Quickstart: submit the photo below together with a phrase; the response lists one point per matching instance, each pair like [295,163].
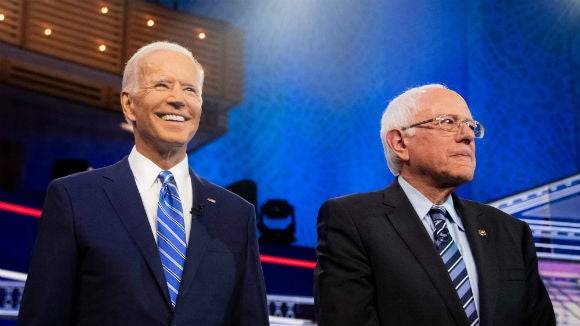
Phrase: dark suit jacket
[96,262]
[378,266]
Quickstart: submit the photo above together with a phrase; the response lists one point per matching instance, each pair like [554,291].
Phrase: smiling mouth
[172,117]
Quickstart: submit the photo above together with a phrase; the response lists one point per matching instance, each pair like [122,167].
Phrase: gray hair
[398,114]
[131,72]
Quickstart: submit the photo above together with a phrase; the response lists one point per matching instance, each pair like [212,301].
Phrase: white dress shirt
[422,205]
[146,175]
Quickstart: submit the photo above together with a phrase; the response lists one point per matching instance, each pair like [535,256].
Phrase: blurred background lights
[201,35]
[102,48]
[150,22]
[104,10]
[47,31]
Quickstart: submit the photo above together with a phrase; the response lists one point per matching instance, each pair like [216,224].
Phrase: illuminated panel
[78,31]
[11,21]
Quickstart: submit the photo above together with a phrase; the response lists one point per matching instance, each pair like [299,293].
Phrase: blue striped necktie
[171,234]
[453,262]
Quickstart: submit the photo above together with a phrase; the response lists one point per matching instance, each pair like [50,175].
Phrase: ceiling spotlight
[47,31]
[104,10]
[201,36]
[102,48]
[150,22]
[2,17]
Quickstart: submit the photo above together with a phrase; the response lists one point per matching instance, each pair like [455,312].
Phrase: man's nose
[176,99]
[465,133]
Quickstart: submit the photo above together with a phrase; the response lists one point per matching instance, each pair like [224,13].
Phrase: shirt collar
[422,204]
[146,172]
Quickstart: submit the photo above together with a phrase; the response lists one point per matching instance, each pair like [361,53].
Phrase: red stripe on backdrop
[266,259]
[293,262]
[19,209]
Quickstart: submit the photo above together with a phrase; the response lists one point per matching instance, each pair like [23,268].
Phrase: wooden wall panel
[11,13]
[54,81]
[78,28]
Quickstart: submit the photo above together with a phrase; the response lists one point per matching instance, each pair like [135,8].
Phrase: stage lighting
[104,10]
[2,17]
[47,31]
[150,23]
[102,48]
[201,36]
[276,222]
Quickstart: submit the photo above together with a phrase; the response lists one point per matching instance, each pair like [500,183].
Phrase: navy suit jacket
[96,262]
[378,266]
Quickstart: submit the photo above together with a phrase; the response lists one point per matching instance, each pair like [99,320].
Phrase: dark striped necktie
[453,262]
[171,234]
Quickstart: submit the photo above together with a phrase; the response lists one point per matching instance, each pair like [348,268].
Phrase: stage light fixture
[104,10]
[276,222]
[150,23]
[2,17]
[102,48]
[47,32]
[201,36]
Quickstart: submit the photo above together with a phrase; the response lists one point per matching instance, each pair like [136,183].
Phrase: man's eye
[447,121]
[471,125]
[191,90]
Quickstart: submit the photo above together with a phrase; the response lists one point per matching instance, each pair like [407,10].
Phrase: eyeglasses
[451,123]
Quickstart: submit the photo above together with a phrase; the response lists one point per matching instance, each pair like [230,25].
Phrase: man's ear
[128,107]
[397,143]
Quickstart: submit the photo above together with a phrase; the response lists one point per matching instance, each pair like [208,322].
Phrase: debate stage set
[292,99]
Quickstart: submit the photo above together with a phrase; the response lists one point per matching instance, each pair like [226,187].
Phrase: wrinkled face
[440,157]
[166,106]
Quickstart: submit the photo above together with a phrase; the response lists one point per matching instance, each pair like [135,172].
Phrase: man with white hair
[415,253]
[146,241]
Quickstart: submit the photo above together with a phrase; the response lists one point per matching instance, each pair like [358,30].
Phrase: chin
[455,179]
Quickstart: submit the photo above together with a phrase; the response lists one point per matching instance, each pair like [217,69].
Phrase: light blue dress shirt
[422,205]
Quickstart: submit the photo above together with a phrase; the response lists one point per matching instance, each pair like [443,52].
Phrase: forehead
[442,101]
[169,64]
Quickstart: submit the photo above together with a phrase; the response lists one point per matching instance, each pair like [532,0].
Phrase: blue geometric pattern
[171,234]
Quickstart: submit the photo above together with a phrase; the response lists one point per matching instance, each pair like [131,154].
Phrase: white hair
[399,113]
[131,72]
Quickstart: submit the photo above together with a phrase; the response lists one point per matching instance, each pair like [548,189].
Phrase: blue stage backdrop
[318,75]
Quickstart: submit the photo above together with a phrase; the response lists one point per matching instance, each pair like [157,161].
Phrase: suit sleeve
[49,290]
[250,308]
[344,289]
[539,307]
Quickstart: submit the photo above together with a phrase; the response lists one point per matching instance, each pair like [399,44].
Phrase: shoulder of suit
[223,194]
[490,212]
[84,177]
[358,199]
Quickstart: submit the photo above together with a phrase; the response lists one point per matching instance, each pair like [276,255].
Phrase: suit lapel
[485,256]
[124,196]
[402,216]
[204,210]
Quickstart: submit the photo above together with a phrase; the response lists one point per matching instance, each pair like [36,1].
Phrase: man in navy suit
[107,247]
[415,253]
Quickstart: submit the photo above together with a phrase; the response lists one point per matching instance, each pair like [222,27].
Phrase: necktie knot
[166,177]
[439,215]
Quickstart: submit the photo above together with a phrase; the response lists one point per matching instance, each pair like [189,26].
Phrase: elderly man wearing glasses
[415,253]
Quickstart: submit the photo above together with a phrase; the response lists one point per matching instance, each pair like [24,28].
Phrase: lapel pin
[211,200]
[482,232]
